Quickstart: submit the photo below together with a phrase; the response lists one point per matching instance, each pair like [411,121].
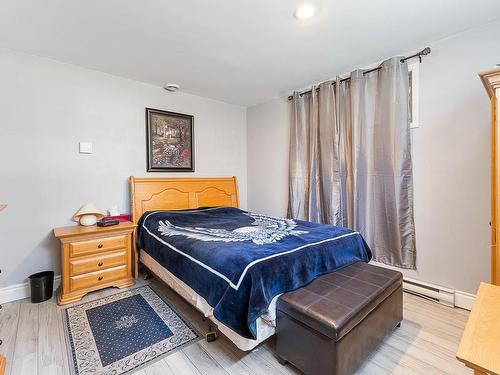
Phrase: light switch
[86,147]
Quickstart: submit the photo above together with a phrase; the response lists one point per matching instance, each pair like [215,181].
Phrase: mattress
[266,324]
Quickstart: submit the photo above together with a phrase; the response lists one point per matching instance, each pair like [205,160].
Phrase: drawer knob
[99,246]
[99,278]
[100,264]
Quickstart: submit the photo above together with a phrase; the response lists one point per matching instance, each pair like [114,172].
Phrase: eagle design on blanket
[264,230]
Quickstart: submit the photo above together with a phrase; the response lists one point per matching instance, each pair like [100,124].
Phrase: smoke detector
[172,87]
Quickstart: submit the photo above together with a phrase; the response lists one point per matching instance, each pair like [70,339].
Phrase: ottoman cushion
[335,303]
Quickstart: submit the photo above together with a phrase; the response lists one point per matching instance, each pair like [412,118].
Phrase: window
[413,83]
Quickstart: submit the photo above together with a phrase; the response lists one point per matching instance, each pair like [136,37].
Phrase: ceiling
[239,51]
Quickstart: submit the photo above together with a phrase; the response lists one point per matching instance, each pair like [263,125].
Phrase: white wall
[268,135]
[46,108]
[450,154]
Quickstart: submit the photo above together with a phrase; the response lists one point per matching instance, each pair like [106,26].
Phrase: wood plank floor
[426,343]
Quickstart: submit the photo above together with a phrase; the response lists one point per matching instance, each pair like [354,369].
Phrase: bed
[230,264]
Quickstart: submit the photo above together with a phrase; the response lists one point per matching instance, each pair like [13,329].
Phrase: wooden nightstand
[94,258]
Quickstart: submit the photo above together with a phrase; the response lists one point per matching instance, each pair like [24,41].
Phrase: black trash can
[41,286]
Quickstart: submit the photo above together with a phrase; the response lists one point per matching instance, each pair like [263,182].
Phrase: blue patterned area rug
[122,332]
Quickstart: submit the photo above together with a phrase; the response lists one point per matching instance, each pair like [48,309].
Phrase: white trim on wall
[444,296]
[464,300]
[439,294]
[457,298]
[20,291]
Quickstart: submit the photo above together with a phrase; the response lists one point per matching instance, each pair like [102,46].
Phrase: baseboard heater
[436,293]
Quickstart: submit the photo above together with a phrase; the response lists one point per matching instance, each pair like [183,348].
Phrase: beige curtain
[343,104]
[314,156]
[350,160]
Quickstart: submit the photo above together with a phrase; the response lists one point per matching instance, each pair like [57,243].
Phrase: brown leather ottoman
[331,325]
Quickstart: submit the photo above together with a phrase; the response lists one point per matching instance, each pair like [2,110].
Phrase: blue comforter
[238,261]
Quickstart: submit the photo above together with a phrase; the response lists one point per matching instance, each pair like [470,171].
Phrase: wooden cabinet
[491,81]
[93,258]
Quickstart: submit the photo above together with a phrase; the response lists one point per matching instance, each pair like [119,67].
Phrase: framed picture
[169,138]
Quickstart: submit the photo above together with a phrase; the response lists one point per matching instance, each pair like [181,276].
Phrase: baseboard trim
[20,291]
[437,293]
[16,292]
[464,300]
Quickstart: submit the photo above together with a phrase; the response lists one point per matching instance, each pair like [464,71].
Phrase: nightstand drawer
[78,266]
[94,279]
[92,246]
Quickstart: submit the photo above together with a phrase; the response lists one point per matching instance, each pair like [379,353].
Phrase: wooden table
[480,345]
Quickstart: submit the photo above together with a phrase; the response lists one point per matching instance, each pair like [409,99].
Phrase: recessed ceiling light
[172,87]
[305,11]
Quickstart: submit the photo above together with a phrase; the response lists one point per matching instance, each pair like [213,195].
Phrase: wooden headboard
[149,194]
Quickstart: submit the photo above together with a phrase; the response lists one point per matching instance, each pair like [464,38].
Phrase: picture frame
[169,141]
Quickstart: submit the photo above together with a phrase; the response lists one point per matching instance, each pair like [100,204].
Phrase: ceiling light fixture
[172,87]
[305,11]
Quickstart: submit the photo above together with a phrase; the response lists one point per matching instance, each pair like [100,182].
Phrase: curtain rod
[424,52]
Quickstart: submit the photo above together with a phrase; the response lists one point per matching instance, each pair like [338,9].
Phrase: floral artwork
[169,141]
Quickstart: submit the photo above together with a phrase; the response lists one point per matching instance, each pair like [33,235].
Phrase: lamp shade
[88,209]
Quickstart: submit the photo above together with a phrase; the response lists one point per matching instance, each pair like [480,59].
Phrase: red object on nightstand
[122,217]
